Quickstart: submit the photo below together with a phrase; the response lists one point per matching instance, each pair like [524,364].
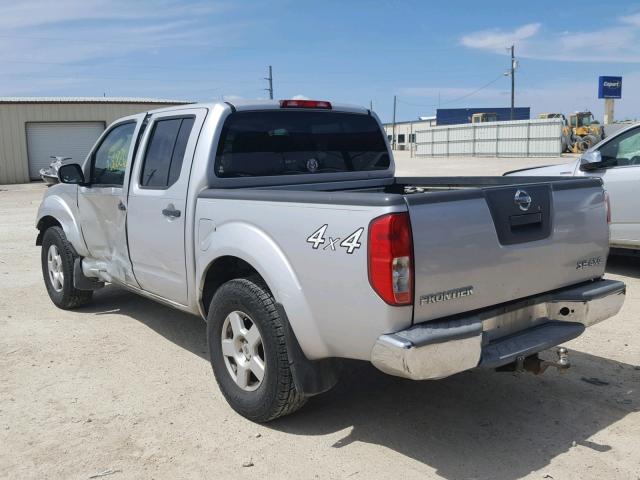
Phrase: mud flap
[80,281]
[311,377]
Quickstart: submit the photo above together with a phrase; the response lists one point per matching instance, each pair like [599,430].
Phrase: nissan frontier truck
[283,225]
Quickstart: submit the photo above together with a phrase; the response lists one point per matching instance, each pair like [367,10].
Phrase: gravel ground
[124,388]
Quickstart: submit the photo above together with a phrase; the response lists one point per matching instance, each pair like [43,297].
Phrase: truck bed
[469,234]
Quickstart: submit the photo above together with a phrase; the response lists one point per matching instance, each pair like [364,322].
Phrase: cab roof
[247,105]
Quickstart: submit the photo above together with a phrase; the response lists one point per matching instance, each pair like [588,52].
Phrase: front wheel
[248,352]
[57,260]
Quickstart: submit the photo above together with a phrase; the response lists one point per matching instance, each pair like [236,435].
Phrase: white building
[405,132]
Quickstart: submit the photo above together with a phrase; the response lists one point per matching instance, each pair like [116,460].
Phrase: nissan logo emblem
[523,200]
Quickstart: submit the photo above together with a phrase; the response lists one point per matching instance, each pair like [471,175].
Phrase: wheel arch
[311,377]
[43,224]
[252,256]
[60,210]
[220,271]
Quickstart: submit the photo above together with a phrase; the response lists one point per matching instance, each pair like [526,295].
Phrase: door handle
[171,211]
[122,206]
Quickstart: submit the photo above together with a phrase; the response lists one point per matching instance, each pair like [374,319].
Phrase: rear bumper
[496,336]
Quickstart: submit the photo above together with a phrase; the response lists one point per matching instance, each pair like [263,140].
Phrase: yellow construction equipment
[579,133]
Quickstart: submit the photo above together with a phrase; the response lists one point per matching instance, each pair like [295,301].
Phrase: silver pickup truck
[282,224]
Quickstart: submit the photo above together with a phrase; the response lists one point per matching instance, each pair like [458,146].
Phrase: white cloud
[34,13]
[608,44]
[300,97]
[91,45]
[498,40]
[631,19]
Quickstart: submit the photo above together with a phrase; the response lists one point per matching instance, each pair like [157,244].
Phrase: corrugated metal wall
[14,166]
[520,138]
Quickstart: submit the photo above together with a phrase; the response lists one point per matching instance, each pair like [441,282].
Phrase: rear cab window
[291,142]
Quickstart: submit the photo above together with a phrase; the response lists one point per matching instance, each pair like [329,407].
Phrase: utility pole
[393,129]
[371,105]
[513,82]
[270,80]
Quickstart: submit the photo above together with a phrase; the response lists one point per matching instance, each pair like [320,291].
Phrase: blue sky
[353,52]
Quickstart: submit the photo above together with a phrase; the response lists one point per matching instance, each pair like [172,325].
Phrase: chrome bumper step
[496,336]
[530,341]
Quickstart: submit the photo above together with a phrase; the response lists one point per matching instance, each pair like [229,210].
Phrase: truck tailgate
[478,247]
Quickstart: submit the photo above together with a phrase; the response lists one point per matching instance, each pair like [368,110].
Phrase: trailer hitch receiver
[535,365]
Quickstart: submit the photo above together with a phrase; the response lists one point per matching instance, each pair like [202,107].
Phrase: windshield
[585,120]
[289,142]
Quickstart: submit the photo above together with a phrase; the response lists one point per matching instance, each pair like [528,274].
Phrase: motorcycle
[50,174]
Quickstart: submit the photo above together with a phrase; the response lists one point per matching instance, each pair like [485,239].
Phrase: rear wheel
[57,258]
[248,352]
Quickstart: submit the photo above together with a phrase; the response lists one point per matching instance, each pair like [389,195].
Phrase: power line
[107,63]
[161,43]
[462,97]
[89,77]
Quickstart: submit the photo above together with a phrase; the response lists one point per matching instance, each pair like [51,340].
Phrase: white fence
[518,138]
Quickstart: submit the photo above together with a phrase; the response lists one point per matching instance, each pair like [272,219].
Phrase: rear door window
[276,142]
[165,152]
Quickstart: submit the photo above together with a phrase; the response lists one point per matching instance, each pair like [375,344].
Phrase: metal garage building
[33,129]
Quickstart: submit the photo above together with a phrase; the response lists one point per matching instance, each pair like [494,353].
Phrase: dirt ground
[124,388]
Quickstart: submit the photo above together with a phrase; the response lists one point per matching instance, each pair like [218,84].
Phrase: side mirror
[71,173]
[591,160]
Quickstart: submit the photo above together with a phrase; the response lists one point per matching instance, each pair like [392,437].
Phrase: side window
[110,159]
[622,151]
[165,152]
[629,148]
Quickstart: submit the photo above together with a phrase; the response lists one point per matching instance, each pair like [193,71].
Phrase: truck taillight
[390,258]
[607,205]
[305,104]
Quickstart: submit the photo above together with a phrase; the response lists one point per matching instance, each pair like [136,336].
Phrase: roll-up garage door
[65,139]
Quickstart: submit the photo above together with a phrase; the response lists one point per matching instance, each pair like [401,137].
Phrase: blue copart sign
[610,87]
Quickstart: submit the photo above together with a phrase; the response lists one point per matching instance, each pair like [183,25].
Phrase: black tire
[66,297]
[276,395]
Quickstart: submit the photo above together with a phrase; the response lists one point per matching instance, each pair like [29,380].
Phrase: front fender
[60,203]
[258,249]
